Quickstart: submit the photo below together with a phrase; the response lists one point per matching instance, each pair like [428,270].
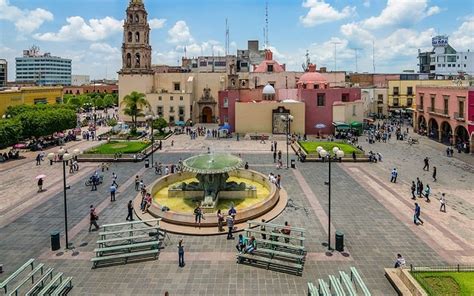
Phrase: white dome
[268,90]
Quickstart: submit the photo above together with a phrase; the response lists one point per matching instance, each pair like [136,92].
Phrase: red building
[90,89]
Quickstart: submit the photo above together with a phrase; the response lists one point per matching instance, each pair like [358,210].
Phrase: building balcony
[438,112]
[459,116]
[420,109]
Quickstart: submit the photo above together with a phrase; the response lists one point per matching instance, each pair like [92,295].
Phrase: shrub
[10,132]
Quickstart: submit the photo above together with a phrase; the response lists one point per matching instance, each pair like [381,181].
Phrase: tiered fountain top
[212,163]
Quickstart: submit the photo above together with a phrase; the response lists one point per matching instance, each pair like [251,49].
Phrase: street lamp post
[288,119]
[327,155]
[64,158]
[150,118]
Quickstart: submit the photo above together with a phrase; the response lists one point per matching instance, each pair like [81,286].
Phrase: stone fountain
[212,171]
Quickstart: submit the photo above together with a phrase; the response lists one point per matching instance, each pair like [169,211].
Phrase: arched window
[137,37]
[137,60]
[129,60]
[130,18]
[136,18]
[130,36]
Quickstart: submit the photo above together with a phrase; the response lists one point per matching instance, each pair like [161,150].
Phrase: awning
[340,125]
[356,124]
[179,123]
[225,126]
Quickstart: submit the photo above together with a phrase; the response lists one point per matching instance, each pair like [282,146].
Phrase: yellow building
[402,93]
[29,96]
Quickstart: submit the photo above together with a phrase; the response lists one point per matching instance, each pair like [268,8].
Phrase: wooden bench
[312,291]
[127,247]
[65,286]
[355,277]
[269,261]
[273,253]
[31,275]
[4,284]
[324,288]
[130,239]
[336,286]
[277,234]
[272,243]
[259,137]
[52,283]
[40,283]
[346,280]
[125,256]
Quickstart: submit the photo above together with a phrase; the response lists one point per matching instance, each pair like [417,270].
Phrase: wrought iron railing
[459,116]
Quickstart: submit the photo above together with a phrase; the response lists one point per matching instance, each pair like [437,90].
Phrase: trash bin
[147,163]
[339,241]
[55,243]
[293,163]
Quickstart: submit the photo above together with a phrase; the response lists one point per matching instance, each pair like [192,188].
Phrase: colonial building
[30,96]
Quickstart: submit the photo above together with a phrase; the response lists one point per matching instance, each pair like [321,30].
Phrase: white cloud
[78,29]
[401,13]
[157,23]
[180,33]
[104,48]
[404,42]
[26,21]
[366,3]
[357,36]
[321,12]
[462,39]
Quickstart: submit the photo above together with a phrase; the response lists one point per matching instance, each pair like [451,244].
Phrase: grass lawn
[446,283]
[310,147]
[119,147]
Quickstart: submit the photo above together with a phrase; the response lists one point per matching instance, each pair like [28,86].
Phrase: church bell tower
[136,49]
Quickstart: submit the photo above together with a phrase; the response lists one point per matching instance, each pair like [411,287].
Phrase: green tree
[99,102]
[133,106]
[109,100]
[10,132]
[160,124]
[74,101]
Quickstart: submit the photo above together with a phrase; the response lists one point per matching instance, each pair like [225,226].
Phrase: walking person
[394,175]
[427,164]
[220,221]
[274,156]
[137,183]
[417,214]
[230,226]
[38,159]
[427,193]
[40,184]
[112,189]
[434,174]
[180,253]
[279,155]
[130,211]
[400,262]
[198,215]
[413,189]
[114,179]
[93,219]
[442,201]
[420,189]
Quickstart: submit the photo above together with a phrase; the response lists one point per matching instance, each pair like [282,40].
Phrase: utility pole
[226,37]
[355,51]
[373,55]
[266,24]
[335,59]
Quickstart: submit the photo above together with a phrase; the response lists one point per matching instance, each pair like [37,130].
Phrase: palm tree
[134,104]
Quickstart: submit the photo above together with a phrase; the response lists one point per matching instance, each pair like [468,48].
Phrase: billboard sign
[439,41]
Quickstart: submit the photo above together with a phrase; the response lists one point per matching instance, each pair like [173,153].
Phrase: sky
[384,33]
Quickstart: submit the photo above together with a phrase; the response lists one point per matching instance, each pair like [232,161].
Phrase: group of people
[12,154]
[275,179]
[161,169]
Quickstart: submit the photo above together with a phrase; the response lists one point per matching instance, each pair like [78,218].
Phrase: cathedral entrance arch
[206,115]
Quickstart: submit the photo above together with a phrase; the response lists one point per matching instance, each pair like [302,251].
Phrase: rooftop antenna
[226,37]
[355,51]
[308,61]
[373,56]
[185,51]
[266,24]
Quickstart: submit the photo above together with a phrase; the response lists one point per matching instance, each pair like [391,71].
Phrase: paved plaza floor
[375,215]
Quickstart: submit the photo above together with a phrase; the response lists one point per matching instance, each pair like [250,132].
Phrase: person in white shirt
[400,262]
[442,201]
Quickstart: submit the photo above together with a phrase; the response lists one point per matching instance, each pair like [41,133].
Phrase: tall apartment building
[42,69]
[3,72]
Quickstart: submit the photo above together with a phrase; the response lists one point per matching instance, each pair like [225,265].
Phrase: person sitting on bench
[286,231]
[240,244]
[251,245]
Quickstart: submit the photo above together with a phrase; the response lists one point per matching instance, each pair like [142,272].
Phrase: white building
[78,80]
[445,60]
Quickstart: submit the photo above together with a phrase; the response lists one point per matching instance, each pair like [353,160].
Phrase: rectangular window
[226,103]
[269,68]
[395,91]
[461,109]
[171,119]
[181,118]
[177,86]
[395,102]
[159,110]
[160,98]
[353,110]
[181,110]
[451,59]
[449,65]
[181,98]
[446,104]
[410,90]
[380,99]
[409,102]
[171,109]
[321,100]
[345,97]
[433,98]
[171,98]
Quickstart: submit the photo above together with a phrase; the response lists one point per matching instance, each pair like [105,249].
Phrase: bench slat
[4,284]
[312,291]
[40,282]
[127,246]
[59,289]
[355,275]
[275,225]
[347,283]
[116,239]
[336,286]
[96,260]
[279,253]
[301,238]
[281,244]
[324,288]
[132,222]
[270,261]
[27,278]
[57,277]
[104,233]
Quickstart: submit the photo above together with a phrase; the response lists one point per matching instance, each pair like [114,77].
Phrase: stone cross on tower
[136,49]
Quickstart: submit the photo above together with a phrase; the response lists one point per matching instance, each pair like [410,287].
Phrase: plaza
[374,215]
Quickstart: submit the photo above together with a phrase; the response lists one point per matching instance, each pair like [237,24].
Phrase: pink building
[446,113]
[312,90]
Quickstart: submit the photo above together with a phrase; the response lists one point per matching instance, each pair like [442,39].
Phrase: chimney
[268,55]
[284,67]
[311,68]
